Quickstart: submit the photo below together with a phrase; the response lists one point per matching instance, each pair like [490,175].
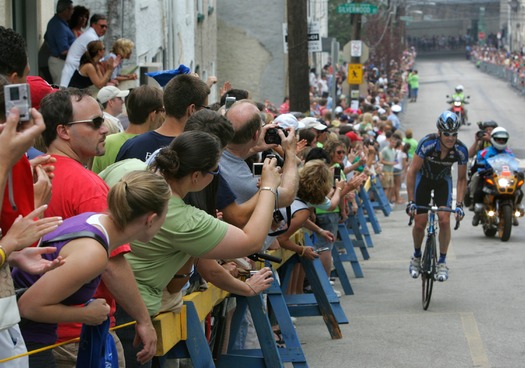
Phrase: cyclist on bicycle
[431,170]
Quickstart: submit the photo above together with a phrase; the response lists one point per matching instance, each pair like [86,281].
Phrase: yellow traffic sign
[355,73]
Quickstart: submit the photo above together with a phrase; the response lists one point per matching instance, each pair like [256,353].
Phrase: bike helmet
[500,134]
[448,122]
[459,88]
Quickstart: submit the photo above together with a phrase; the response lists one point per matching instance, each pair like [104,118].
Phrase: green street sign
[357,8]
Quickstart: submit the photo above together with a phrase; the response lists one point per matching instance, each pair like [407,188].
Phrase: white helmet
[459,88]
[499,133]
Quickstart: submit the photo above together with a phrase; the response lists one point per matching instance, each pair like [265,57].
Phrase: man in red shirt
[74,135]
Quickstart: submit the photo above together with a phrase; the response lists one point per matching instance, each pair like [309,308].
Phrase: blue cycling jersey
[435,168]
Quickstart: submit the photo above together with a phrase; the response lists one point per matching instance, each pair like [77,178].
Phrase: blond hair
[136,194]
[315,182]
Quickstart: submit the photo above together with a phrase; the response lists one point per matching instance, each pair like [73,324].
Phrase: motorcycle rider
[482,138]
[429,170]
[499,138]
[460,95]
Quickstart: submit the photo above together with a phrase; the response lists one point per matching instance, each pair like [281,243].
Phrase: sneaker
[475,219]
[337,293]
[332,282]
[415,267]
[442,272]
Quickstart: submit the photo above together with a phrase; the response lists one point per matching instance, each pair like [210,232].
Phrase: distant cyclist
[431,170]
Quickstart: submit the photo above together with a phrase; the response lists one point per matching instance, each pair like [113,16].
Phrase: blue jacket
[484,154]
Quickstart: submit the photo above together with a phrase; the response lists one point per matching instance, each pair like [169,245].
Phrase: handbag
[97,347]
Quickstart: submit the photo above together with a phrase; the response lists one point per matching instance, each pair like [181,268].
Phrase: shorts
[442,192]
[330,222]
[387,180]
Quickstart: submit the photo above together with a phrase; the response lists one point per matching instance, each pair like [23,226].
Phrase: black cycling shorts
[442,192]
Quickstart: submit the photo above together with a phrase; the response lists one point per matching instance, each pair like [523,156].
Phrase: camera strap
[288,221]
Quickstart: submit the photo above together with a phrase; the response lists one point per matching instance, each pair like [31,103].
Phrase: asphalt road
[476,318]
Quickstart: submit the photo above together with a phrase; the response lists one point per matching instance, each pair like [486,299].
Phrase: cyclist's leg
[422,198]
[443,198]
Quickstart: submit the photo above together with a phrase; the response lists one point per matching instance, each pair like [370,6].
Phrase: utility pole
[298,55]
[356,35]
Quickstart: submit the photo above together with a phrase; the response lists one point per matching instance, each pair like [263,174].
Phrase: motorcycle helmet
[501,134]
[459,88]
[448,122]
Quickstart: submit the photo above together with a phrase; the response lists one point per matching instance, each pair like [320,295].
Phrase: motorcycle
[458,108]
[501,189]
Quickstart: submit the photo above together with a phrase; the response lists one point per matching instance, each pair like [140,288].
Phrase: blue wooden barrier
[349,255]
[339,268]
[269,355]
[380,199]
[366,204]
[352,225]
[321,302]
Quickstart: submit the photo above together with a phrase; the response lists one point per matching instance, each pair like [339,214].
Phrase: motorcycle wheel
[505,223]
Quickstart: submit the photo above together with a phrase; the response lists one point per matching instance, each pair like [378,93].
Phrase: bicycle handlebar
[441,209]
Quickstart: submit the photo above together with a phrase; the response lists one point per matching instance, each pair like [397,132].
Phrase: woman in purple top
[137,209]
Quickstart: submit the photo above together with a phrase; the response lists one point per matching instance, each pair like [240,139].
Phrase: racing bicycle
[430,254]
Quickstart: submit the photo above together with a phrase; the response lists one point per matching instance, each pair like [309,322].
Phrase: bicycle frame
[429,256]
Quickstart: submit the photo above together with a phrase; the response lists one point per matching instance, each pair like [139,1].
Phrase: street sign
[355,73]
[313,37]
[357,8]
[356,48]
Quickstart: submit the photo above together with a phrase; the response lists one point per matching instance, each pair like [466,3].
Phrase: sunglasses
[96,122]
[340,152]
[103,25]
[447,134]
[216,172]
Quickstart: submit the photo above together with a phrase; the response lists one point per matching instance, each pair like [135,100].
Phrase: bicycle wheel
[428,270]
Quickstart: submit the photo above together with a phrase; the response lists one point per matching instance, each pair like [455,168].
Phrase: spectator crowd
[117,202]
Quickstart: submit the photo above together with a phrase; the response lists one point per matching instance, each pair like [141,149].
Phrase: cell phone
[257,168]
[229,102]
[321,250]
[337,174]
[18,95]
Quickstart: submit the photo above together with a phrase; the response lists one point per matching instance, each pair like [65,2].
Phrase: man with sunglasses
[75,134]
[430,170]
[98,26]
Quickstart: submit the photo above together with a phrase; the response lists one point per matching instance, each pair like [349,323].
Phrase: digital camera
[273,137]
[18,95]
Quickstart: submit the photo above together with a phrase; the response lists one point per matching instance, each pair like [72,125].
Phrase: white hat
[109,92]
[396,108]
[338,110]
[288,121]
[381,111]
[311,122]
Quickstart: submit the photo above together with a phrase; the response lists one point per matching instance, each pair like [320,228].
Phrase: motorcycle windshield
[504,162]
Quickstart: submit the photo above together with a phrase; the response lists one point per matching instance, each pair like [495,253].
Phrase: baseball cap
[354,136]
[109,92]
[39,88]
[381,111]
[396,108]
[288,121]
[311,122]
